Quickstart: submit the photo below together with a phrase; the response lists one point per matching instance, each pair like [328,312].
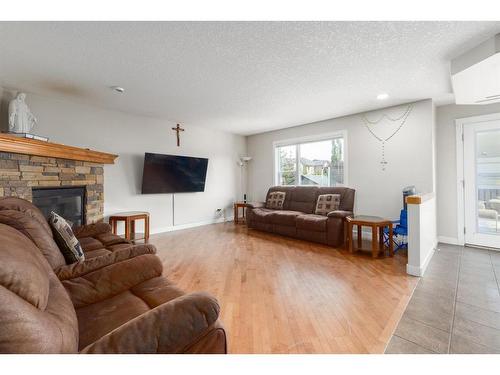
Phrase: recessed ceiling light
[118,89]
[382,96]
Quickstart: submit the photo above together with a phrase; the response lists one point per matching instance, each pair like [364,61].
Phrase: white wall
[409,153]
[446,164]
[130,137]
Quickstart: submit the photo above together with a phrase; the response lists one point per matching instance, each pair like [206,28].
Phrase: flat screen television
[173,174]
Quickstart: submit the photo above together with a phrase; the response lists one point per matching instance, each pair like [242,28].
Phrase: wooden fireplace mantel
[16,145]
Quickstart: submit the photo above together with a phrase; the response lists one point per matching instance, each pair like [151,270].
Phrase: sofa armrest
[256,204]
[169,328]
[340,214]
[71,271]
[113,279]
[91,230]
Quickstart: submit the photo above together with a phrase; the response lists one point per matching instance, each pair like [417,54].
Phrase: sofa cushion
[285,189]
[36,314]
[172,327]
[90,244]
[275,200]
[68,243]
[346,196]
[32,229]
[284,217]
[96,253]
[327,203]
[261,214]
[303,199]
[157,291]
[100,318]
[23,270]
[312,222]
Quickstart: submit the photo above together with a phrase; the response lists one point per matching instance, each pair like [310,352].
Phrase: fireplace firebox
[68,202]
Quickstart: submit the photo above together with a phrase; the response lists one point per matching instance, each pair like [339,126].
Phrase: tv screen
[173,174]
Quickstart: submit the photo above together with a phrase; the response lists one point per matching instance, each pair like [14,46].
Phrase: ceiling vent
[475,75]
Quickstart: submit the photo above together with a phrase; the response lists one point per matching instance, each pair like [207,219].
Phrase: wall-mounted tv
[173,174]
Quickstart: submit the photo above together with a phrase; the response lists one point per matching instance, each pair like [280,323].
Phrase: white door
[482,183]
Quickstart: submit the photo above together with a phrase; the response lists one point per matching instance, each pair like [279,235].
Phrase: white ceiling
[242,77]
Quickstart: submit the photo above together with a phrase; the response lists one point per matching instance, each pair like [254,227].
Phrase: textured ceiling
[242,77]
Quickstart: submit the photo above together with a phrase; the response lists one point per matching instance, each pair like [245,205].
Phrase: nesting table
[237,206]
[377,225]
[129,218]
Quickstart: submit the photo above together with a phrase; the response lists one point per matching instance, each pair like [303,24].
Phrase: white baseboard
[448,240]
[414,271]
[419,271]
[190,225]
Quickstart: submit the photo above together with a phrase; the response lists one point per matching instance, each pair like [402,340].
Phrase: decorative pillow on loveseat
[68,244]
[327,203]
[275,200]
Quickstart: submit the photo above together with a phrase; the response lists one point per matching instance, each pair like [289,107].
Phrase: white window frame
[310,139]
[459,126]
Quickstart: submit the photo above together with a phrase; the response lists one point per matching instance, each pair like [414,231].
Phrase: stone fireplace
[19,174]
[32,166]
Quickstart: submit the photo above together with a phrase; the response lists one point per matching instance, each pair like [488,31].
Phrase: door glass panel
[488,181]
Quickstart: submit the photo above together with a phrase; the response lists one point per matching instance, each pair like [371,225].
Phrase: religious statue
[21,120]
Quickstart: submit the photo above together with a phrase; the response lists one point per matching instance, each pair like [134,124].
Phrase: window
[316,161]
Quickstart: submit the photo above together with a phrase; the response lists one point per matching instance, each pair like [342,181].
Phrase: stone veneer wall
[19,173]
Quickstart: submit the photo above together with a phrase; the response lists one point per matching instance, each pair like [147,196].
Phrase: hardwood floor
[282,295]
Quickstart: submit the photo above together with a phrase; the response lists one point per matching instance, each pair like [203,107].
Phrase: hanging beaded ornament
[401,118]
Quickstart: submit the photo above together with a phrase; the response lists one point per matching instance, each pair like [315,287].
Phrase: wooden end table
[237,206]
[129,218]
[377,224]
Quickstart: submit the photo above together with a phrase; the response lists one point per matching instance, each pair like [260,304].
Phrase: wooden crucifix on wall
[178,129]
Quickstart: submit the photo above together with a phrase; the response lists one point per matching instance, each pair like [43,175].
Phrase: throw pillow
[327,203]
[275,200]
[68,244]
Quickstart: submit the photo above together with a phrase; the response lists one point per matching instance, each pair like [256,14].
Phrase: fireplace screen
[67,202]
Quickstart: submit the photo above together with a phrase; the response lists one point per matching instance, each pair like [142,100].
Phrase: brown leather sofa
[116,301]
[297,218]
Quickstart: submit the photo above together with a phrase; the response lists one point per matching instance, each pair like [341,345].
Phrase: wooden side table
[377,224]
[129,218]
[237,206]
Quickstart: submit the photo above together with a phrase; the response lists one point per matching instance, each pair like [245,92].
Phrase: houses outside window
[316,161]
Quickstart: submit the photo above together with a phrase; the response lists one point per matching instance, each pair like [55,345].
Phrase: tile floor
[455,307]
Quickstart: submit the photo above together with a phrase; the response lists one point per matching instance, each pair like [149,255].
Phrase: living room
[250,187]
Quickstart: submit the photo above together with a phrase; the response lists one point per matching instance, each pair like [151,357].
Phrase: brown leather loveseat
[116,301]
[297,218]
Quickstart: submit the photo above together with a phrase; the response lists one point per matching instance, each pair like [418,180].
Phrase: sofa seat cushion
[90,244]
[312,222]
[109,239]
[284,217]
[157,291]
[96,253]
[103,244]
[98,319]
[262,214]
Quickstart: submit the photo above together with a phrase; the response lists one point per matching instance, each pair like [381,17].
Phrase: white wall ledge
[422,234]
